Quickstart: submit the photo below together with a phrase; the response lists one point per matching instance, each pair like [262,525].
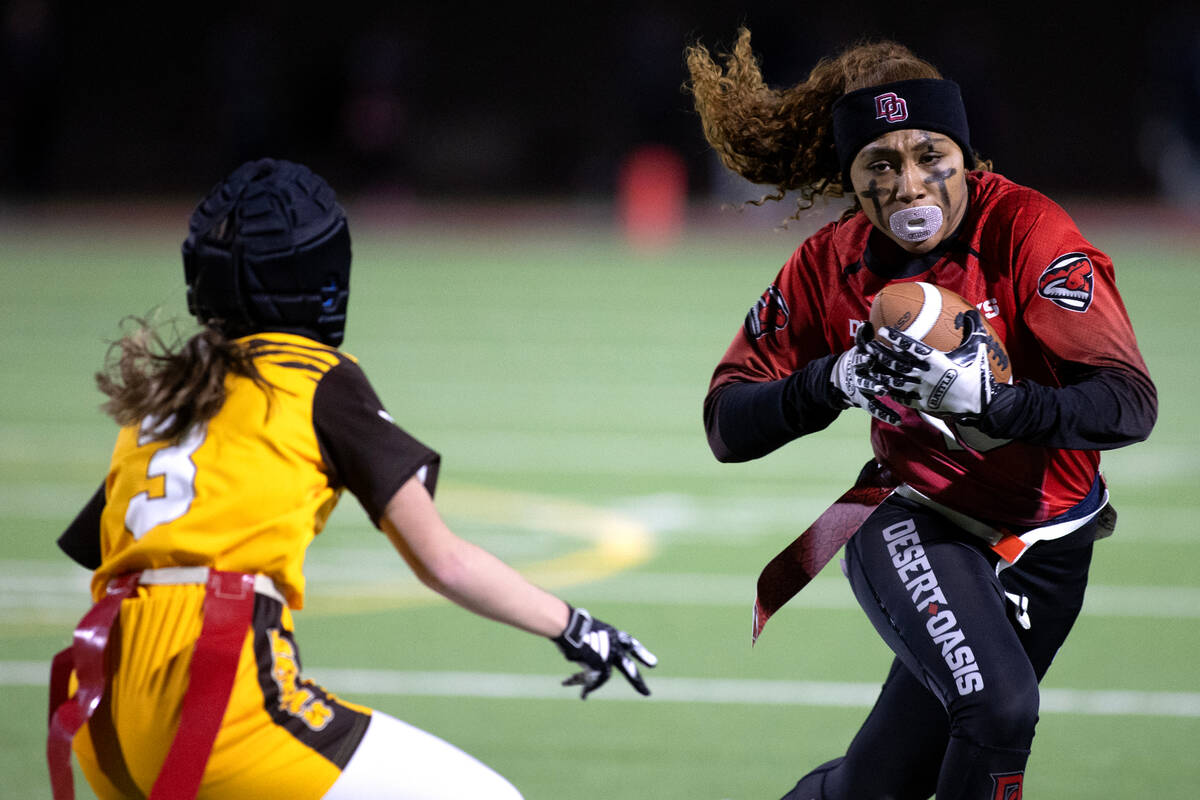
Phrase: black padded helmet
[269,250]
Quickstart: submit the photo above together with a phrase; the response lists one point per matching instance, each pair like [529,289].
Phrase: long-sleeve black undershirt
[81,539]
[1102,410]
[745,421]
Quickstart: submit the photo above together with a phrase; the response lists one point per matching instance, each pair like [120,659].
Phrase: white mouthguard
[916,224]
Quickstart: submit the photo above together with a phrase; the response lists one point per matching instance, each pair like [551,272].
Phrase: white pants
[398,761]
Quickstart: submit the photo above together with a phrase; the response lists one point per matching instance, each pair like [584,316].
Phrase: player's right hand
[853,377]
[598,647]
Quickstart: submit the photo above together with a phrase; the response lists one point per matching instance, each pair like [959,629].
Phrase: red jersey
[1049,294]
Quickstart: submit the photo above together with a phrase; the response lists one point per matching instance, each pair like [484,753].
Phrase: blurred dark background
[445,100]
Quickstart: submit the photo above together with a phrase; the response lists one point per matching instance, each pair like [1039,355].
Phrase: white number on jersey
[174,464]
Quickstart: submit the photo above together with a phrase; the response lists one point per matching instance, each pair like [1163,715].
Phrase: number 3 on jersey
[174,464]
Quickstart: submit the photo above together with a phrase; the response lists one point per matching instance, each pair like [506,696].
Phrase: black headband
[928,104]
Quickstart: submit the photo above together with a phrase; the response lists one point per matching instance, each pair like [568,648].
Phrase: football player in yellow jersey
[184,679]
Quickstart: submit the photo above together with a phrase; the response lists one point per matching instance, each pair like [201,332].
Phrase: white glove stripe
[647,658]
[598,642]
[629,667]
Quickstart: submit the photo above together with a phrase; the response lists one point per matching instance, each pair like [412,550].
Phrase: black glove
[598,647]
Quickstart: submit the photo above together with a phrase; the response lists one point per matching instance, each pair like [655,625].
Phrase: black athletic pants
[957,712]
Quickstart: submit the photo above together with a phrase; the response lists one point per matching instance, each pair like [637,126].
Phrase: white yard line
[348,682]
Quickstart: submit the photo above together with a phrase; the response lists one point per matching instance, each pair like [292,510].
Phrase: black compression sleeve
[745,420]
[81,539]
[1104,410]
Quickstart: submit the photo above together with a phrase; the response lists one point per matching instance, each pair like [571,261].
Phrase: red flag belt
[799,562]
[228,612]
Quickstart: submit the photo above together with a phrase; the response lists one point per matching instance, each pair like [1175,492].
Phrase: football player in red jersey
[971,556]
[233,450]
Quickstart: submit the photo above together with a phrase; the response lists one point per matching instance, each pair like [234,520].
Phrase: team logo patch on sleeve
[1068,282]
[1007,786]
[768,315]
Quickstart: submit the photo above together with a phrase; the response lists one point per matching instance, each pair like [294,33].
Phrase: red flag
[800,561]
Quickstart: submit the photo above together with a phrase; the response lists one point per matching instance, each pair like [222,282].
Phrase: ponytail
[180,384]
[784,137]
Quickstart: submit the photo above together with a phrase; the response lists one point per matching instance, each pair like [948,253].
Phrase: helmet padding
[269,250]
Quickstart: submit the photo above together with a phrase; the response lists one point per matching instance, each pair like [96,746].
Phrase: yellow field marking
[611,542]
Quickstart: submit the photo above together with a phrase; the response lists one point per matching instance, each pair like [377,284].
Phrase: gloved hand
[858,385]
[955,384]
[598,647]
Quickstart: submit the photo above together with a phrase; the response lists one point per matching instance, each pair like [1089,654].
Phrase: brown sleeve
[366,451]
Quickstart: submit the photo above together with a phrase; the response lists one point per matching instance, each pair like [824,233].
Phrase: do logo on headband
[890,106]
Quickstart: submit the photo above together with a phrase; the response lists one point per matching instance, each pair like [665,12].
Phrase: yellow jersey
[248,490]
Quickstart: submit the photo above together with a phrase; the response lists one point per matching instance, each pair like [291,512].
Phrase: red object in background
[652,196]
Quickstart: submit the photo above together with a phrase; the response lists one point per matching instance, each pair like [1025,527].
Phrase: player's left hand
[954,384]
[598,647]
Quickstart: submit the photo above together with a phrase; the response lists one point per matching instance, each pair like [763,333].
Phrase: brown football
[932,314]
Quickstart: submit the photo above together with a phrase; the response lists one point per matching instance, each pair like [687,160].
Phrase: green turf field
[560,374]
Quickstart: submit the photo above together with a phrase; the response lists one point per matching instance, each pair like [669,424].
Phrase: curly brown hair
[784,137]
[180,383]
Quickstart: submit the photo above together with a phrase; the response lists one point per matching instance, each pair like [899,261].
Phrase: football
[932,314]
